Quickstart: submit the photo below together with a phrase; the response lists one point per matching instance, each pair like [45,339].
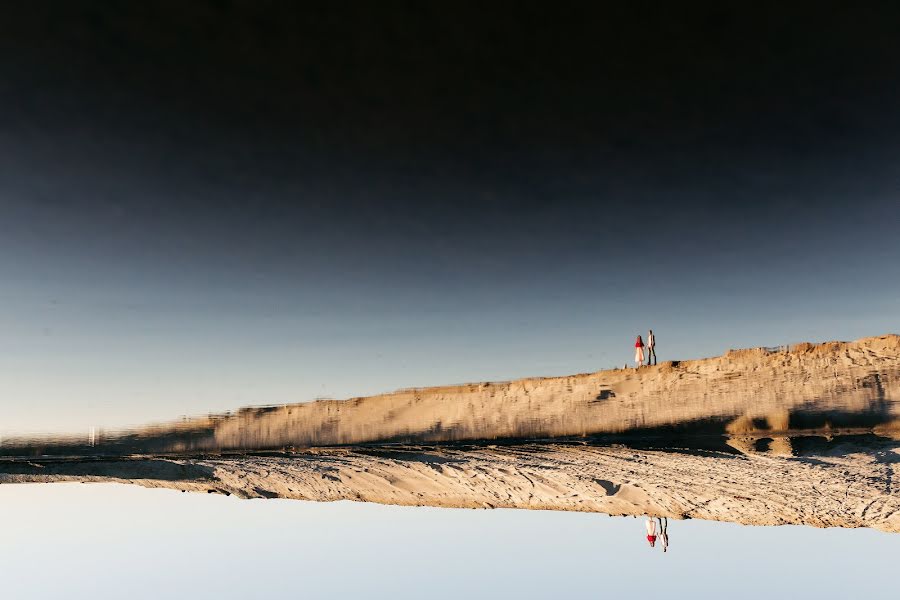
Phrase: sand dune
[756,401]
[848,487]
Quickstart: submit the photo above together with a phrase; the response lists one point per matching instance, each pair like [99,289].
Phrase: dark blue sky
[226,203]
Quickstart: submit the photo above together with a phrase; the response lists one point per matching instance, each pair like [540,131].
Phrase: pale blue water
[113,541]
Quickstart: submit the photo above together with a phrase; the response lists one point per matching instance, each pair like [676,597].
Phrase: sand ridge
[848,487]
[755,395]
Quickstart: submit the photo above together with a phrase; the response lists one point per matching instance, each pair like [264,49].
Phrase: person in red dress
[639,352]
[651,531]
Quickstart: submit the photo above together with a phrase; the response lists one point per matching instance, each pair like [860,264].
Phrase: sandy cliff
[846,487]
[748,396]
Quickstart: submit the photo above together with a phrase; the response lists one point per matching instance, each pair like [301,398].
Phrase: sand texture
[759,407]
[846,488]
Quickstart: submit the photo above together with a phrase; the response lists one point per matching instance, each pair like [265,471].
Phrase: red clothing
[639,343]
[651,538]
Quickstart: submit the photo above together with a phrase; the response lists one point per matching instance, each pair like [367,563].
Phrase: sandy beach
[851,487]
[756,406]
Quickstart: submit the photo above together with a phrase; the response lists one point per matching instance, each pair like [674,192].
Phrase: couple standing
[662,530]
[639,349]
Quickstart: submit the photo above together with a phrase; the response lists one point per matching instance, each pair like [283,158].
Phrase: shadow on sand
[123,468]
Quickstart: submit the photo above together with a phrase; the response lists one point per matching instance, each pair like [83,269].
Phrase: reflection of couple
[658,528]
[639,350]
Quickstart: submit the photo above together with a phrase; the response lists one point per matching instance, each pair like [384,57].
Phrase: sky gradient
[225,203]
[106,538]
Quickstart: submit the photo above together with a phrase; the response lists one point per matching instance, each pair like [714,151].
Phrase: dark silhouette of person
[651,347]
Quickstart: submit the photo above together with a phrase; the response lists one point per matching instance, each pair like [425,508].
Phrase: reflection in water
[189,438]
[751,401]
[177,441]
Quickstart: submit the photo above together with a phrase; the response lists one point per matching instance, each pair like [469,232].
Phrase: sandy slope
[742,393]
[845,489]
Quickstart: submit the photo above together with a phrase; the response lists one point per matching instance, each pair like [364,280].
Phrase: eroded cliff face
[847,486]
[808,386]
[747,396]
